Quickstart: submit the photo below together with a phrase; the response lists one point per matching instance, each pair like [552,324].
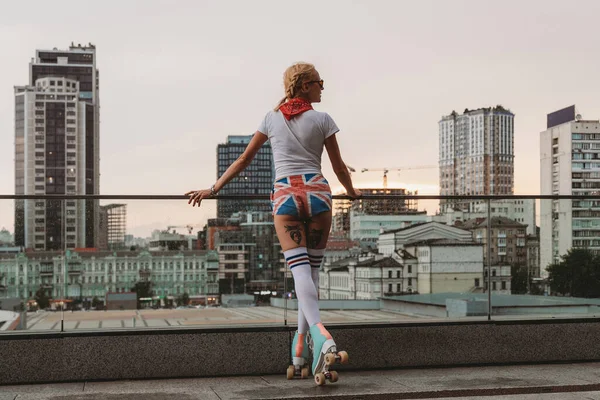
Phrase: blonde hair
[293,77]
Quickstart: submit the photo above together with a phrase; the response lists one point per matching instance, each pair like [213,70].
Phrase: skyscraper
[569,165]
[476,151]
[257,179]
[57,129]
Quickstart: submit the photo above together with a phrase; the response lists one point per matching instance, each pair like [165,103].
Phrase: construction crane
[190,228]
[386,170]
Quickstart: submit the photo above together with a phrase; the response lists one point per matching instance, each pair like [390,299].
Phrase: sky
[177,77]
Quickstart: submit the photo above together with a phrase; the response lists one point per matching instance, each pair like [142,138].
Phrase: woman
[301,196]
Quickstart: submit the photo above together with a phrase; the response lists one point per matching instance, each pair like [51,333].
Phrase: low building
[390,241]
[365,278]
[366,228]
[519,210]
[121,301]
[86,274]
[339,247]
[447,265]
[425,266]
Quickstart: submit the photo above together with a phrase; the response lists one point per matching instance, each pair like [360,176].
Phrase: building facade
[87,274]
[519,210]
[365,228]
[57,130]
[256,179]
[508,241]
[112,227]
[250,257]
[476,154]
[426,266]
[569,165]
[508,249]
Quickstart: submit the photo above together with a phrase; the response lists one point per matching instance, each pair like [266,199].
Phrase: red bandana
[293,107]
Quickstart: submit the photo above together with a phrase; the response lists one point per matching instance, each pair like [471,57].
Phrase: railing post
[489,257]
[285,292]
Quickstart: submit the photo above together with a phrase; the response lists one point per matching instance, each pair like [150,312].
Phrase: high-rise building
[112,226]
[57,150]
[569,165]
[476,151]
[257,179]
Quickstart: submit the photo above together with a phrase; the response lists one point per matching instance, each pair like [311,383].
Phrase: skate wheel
[333,376]
[329,359]
[290,372]
[304,373]
[320,379]
[343,357]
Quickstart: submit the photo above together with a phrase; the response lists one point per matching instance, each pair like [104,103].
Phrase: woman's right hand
[355,194]
[196,196]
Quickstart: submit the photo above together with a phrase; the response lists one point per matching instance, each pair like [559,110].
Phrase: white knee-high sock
[315,257]
[297,260]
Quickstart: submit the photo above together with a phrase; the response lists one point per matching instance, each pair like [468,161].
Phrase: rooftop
[498,300]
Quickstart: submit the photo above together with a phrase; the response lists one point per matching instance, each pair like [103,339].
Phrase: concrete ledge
[178,353]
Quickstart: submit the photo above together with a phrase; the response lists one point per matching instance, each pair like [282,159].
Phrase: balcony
[350,321]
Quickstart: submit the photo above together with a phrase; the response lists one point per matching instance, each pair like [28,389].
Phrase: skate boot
[300,354]
[325,355]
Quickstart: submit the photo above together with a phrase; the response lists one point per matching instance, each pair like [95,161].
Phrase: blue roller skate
[325,355]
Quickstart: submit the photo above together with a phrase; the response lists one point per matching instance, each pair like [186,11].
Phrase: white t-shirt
[298,143]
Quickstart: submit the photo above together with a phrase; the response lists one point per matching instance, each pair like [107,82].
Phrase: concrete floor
[523,382]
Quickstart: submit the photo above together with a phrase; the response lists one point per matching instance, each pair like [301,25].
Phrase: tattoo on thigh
[295,232]
[314,238]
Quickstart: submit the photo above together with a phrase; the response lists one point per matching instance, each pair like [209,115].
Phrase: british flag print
[301,195]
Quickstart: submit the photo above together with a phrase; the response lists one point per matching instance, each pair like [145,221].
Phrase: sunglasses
[321,82]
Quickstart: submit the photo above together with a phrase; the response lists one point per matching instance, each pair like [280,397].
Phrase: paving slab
[153,323]
[88,325]
[45,326]
[111,324]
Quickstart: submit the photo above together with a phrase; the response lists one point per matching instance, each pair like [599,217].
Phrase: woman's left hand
[196,196]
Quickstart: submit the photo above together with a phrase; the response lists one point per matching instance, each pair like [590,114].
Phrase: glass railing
[71,263]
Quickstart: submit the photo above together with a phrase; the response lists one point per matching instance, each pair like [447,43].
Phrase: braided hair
[293,77]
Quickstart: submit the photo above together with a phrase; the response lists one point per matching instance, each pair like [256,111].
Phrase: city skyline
[169,96]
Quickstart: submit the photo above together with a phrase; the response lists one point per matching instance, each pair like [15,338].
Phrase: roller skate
[300,354]
[325,355]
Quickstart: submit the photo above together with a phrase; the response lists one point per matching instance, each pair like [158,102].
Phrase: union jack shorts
[302,196]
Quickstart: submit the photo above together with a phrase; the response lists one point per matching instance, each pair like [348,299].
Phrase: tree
[142,289]
[577,274]
[183,300]
[42,299]
[95,302]
[518,283]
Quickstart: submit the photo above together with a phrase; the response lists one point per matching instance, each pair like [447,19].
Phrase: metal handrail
[266,197]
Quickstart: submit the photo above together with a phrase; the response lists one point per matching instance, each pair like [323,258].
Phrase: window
[389,276]
[493,285]
[390,288]
[398,274]
[409,281]
[476,282]
[503,285]
[410,269]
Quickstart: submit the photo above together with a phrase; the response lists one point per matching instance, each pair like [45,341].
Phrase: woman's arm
[234,169]
[339,167]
